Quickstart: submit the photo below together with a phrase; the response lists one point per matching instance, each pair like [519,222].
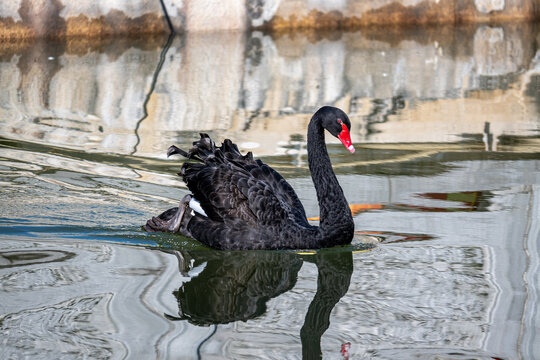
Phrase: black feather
[251,206]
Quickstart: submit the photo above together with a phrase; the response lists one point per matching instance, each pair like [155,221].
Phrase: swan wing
[229,193]
[281,189]
[235,187]
[215,189]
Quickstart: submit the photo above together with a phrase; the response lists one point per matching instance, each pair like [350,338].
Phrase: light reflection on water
[445,184]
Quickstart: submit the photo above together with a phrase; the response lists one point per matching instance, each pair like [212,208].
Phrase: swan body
[239,203]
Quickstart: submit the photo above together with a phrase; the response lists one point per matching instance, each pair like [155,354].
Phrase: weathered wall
[357,13]
[60,18]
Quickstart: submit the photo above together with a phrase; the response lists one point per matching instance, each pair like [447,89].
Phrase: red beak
[345,137]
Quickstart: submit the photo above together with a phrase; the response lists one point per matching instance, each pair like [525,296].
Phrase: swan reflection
[232,286]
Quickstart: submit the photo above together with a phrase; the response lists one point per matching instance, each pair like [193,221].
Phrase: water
[445,183]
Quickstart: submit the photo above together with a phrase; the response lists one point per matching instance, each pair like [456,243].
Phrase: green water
[444,184]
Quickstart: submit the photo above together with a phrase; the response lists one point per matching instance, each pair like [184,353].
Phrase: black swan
[239,203]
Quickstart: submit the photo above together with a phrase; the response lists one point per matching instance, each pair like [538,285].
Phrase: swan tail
[205,151]
[202,150]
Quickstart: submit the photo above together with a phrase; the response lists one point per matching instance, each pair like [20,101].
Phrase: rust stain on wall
[426,12]
[314,20]
[43,20]
[12,30]
[116,22]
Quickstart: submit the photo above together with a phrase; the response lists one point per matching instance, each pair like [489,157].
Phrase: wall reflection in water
[405,86]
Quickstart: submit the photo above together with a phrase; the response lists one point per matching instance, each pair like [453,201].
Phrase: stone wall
[61,18]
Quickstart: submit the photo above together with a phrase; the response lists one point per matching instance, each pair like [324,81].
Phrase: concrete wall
[60,18]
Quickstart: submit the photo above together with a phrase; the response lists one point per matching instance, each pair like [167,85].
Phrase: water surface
[445,183]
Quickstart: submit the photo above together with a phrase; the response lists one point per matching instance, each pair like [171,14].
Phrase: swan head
[337,123]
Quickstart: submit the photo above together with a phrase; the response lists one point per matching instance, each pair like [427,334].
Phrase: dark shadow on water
[231,286]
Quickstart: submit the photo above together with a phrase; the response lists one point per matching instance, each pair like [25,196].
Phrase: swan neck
[335,215]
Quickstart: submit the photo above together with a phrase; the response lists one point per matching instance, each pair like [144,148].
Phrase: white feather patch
[194,272]
[196,206]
